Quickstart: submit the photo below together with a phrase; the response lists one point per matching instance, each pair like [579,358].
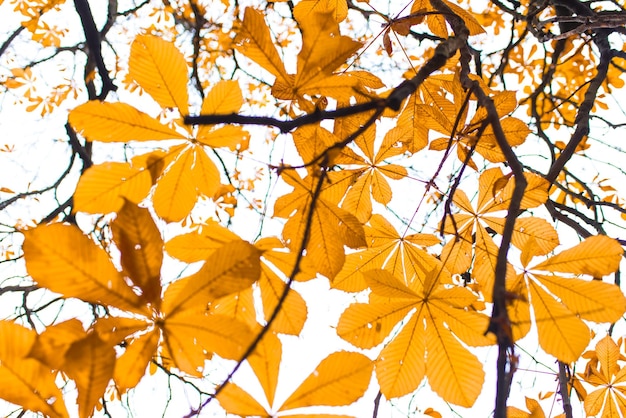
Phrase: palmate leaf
[323,51]
[25,381]
[60,258]
[439,320]
[389,250]
[560,304]
[604,371]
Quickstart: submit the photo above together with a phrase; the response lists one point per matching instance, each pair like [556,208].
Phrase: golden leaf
[340,379]
[25,381]
[229,269]
[597,256]
[131,366]
[118,122]
[141,248]
[54,341]
[90,363]
[160,69]
[237,401]
[254,41]
[307,9]
[102,188]
[60,258]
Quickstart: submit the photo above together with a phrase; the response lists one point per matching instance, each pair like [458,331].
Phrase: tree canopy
[190,189]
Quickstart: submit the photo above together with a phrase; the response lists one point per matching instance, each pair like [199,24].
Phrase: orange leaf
[118,122]
[90,363]
[141,248]
[160,69]
[340,379]
[60,258]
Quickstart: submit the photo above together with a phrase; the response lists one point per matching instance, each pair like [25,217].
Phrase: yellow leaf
[401,365]
[90,363]
[103,188]
[339,379]
[205,174]
[592,300]
[118,122]
[141,248]
[597,256]
[385,284]
[160,69]
[224,98]
[453,372]
[234,138]
[293,313]
[175,194]
[367,325]
[237,401]
[54,341]
[188,331]
[114,329]
[26,381]
[306,9]
[265,362]
[131,366]
[561,333]
[541,231]
[59,257]
[229,269]
[254,41]
[238,306]
[199,245]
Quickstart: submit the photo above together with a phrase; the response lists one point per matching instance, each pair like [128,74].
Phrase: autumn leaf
[141,248]
[160,70]
[388,249]
[339,379]
[560,303]
[331,226]
[323,51]
[25,381]
[90,363]
[604,372]
[428,340]
[229,269]
[60,258]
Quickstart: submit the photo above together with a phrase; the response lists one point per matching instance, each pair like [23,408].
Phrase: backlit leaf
[340,379]
[229,269]
[25,381]
[131,366]
[90,363]
[141,247]
[161,70]
[118,122]
[60,258]
[103,188]
[597,256]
